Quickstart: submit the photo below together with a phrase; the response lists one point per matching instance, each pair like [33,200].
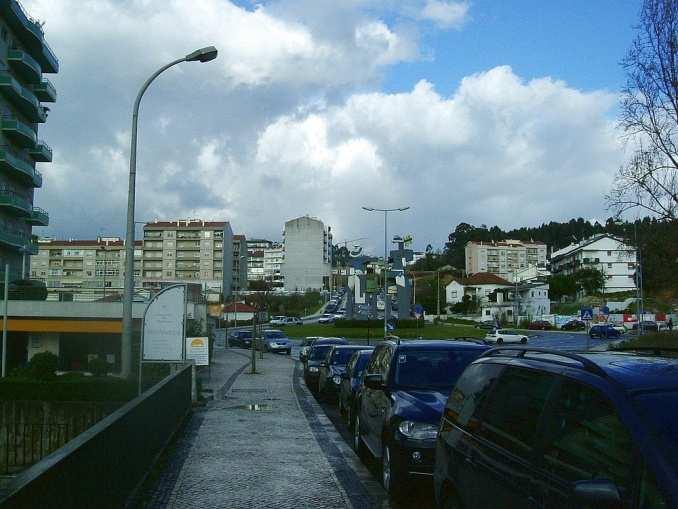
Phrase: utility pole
[255,341]
[4,322]
[438,293]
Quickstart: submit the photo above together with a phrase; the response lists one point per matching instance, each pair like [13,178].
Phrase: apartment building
[609,254]
[24,57]
[504,258]
[84,270]
[255,258]
[307,260]
[195,251]
[273,260]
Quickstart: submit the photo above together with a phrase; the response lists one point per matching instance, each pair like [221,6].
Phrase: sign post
[163,329]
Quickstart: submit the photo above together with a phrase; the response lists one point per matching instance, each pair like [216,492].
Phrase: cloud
[446,14]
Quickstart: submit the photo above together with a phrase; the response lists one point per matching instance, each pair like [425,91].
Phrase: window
[466,397]
[513,409]
[487,312]
[453,293]
[609,265]
[587,440]
[609,253]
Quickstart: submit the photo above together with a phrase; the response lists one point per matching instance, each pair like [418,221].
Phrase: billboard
[163,326]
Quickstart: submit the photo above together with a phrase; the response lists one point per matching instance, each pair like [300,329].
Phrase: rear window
[438,369]
[659,411]
[319,352]
[341,356]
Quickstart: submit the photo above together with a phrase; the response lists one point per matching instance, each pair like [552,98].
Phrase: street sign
[586,314]
[418,311]
[371,285]
[163,326]
[197,349]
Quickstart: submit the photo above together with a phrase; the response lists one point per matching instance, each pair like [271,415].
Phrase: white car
[326,318]
[501,336]
[278,320]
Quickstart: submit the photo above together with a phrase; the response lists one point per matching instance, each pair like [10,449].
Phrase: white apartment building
[503,258]
[195,251]
[255,258]
[84,270]
[308,254]
[610,255]
[273,260]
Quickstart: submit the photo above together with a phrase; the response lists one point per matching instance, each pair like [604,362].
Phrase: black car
[647,326]
[332,368]
[399,406]
[351,381]
[315,356]
[574,325]
[241,338]
[527,427]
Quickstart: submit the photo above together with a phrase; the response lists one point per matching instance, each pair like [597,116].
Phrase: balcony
[38,217]
[20,133]
[10,239]
[13,203]
[42,152]
[22,98]
[25,66]
[30,33]
[45,91]
[11,162]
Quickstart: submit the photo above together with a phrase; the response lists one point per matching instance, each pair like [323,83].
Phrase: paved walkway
[262,442]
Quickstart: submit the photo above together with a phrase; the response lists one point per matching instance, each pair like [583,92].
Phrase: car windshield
[319,352]
[659,411]
[360,364]
[274,335]
[341,356]
[431,368]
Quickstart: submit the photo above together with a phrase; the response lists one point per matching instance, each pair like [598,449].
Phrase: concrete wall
[305,263]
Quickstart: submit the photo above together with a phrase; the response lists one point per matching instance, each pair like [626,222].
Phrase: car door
[506,447]
[369,402]
[584,439]
[345,387]
[382,399]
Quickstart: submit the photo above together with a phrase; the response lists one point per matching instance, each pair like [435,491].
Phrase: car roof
[632,371]
[330,341]
[439,344]
[352,347]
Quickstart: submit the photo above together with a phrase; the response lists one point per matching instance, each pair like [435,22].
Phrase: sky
[471,111]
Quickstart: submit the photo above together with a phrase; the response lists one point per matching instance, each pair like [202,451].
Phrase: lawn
[660,340]
[429,331]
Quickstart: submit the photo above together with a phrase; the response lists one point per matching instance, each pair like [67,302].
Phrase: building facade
[25,57]
[504,258]
[273,260]
[84,270]
[308,254]
[195,251]
[611,255]
[255,258]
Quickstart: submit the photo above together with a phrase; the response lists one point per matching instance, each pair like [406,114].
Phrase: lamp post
[385,211]
[202,55]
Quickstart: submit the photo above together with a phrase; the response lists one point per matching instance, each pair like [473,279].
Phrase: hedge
[377,324]
[74,389]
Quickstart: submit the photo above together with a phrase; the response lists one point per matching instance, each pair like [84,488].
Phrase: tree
[589,281]
[649,115]
[561,286]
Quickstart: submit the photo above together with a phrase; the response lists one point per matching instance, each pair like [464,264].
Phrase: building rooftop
[185,223]
[485,278]
[85,243]
[506,243]
[583,243]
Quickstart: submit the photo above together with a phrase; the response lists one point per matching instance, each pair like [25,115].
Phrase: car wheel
[358,445]
[500,341]
[523,340]
[391,476]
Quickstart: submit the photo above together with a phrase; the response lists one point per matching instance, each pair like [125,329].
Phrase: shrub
[357,324]
[73,389]
[99,367]
[43,366]
[524,324]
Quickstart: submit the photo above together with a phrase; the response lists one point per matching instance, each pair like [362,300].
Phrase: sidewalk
[262,442]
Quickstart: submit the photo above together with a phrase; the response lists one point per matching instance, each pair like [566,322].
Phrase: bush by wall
[43,366]
[72,389]
[378,324]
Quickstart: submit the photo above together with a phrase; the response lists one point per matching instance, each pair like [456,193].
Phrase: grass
[428,332]
[654,340]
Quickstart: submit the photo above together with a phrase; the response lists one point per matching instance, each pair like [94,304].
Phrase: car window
[351,363]
[432,368]
[385,363]
[373,366]
[659,412]
[341,355]
[360,364]
[512,410]
[319,352]
[468,394]
[586,440]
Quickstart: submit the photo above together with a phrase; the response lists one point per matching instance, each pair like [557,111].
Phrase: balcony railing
[15,203]
[42,152]
[45,91]
[22,98]
[39,217]
[25,66]
[12,162]
[20,133]
[12,239]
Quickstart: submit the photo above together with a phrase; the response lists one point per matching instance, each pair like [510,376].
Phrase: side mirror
[323,364]
[373,381]
[597,493]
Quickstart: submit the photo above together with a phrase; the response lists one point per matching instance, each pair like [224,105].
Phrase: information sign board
[163,328]
[197,349]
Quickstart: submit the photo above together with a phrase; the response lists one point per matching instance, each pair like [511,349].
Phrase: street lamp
[385,211]
[201,55]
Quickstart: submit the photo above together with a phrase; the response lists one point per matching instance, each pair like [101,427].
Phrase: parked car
[486,324]
[326,318]
[316,355]
[540,325]
[293,320]
[241,338]
[276,341]
[400,403]
[647,326]
[530,427]
[351,381]
[500,336]
[604,330]
[332,368]
[305,346]
[277,320]
[574,325]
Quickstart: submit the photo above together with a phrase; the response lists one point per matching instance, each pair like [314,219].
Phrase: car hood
[420,405]
[310,363]
[280,341]
[337,370]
